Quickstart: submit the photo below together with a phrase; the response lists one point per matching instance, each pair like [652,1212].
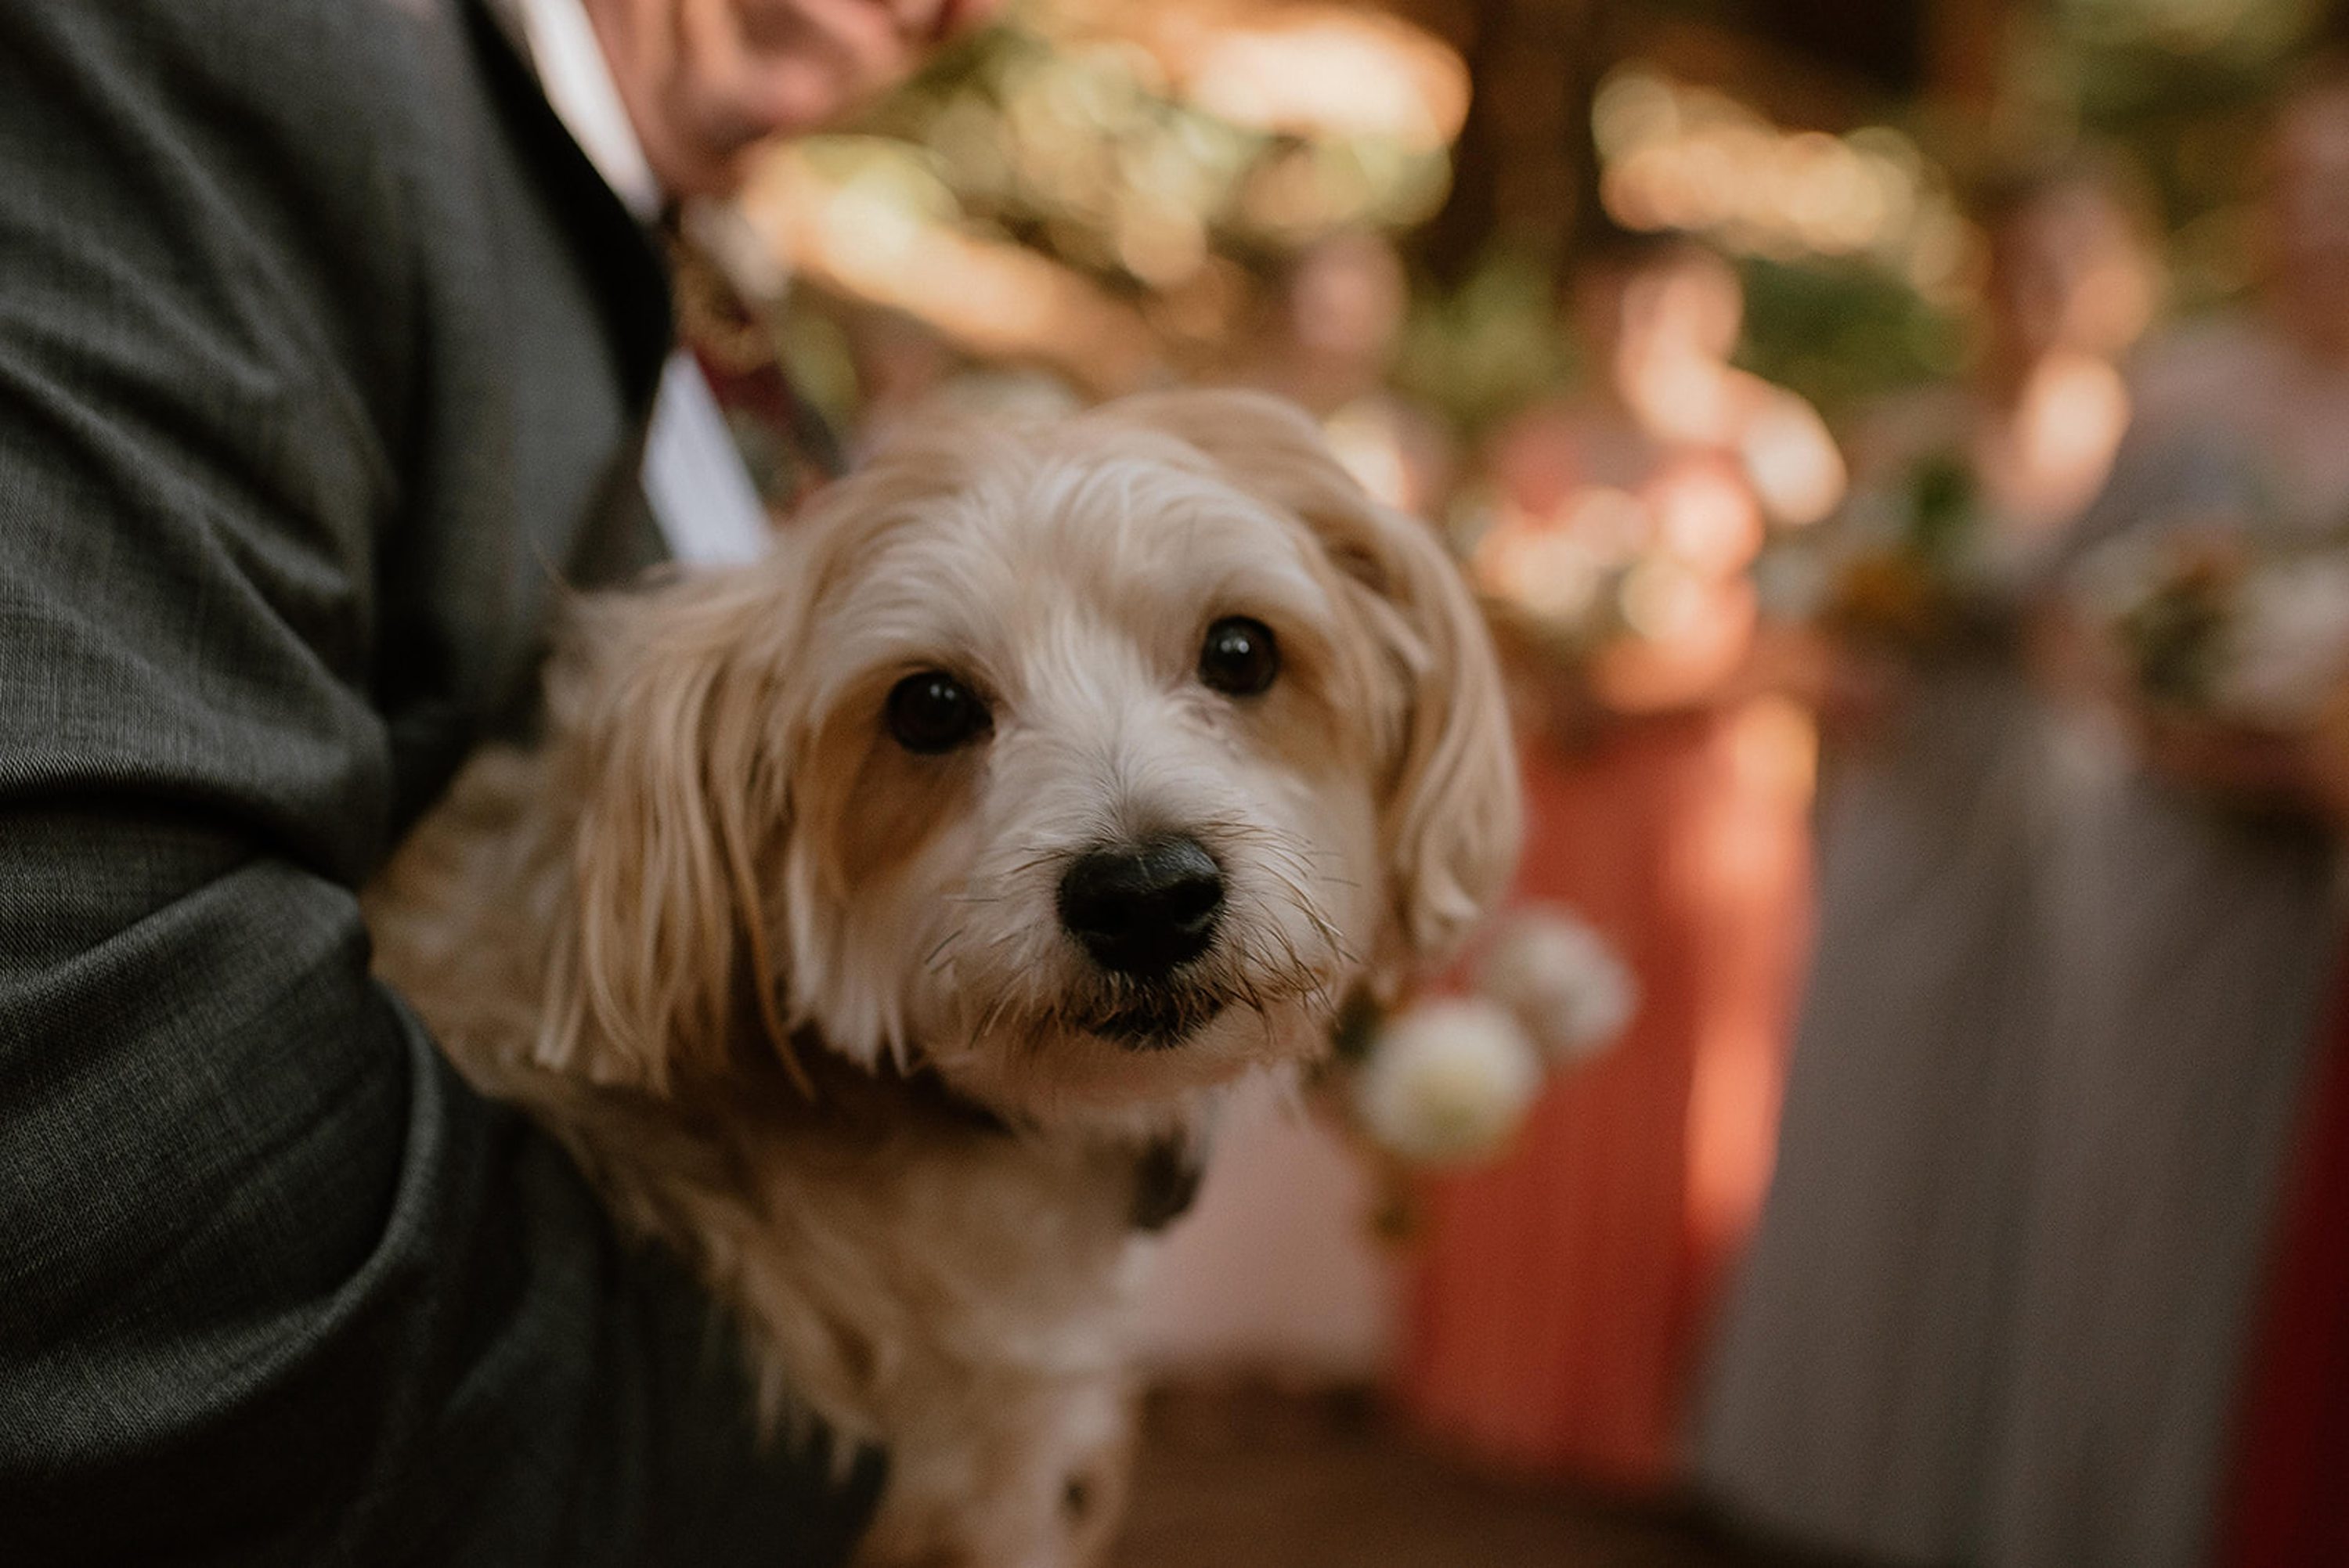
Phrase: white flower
[1565,985]
[1447,1081]
[2287,646]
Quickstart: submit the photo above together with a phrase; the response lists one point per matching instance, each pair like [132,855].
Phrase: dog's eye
[930,712]
[1239,658]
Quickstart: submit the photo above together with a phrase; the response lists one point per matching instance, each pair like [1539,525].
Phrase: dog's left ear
[1451,819]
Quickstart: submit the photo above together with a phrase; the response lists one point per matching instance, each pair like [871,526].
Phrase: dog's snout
[1142,909]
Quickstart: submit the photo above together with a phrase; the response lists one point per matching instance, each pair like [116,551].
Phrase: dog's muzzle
[1143,910]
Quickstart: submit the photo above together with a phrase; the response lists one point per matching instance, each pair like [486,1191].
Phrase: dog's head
[1093,765]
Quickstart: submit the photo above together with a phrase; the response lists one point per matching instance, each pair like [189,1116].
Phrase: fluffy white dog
[877,917]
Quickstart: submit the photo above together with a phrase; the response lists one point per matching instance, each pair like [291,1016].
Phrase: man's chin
[690,166]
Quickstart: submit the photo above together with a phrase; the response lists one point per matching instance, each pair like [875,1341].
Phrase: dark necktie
[788,446]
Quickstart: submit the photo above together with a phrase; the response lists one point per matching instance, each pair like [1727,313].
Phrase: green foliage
[1843,332]
[2173,638]
[1482,350]
[1083,151]
[1086,152]
[1941,507]
[2185,87]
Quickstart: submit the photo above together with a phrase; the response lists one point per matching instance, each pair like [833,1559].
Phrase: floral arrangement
[1448,1081]
[1564,987]
[1901,570]
[2202,622]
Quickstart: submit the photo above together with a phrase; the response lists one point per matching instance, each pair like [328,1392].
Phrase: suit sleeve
[275,1287]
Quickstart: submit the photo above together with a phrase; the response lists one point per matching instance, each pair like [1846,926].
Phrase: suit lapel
[625,260]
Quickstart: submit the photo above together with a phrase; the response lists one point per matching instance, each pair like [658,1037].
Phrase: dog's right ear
[666,712]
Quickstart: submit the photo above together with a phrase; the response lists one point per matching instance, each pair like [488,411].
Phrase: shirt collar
[577,78]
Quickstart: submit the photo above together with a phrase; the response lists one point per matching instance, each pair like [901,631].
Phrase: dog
[879,923]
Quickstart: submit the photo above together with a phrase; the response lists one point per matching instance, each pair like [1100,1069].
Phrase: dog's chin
[1140,1063]
[1157,1021]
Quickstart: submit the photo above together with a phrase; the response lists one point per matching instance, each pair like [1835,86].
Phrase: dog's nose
[1142,909]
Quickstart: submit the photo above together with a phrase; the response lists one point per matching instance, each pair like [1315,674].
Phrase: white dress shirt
[701,495]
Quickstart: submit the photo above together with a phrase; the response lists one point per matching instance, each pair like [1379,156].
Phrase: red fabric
[2290,1502]
[1557,1312]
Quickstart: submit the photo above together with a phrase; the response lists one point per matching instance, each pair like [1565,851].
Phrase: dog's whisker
[1288,949]
[1337,942]
[931,961]
[1287,881]
[1255,998]
[1305,862]
[1307,908]
[1036,858]
[987,1026]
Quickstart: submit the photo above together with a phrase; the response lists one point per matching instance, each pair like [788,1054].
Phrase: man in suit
[326,357]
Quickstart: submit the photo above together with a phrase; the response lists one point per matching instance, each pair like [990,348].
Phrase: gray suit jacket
[322,357]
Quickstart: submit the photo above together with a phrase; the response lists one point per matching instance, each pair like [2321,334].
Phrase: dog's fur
[798,999]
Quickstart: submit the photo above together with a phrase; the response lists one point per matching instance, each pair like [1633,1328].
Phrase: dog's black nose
[1142,909]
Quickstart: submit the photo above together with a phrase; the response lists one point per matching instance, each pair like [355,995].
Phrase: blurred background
[1110,194]
[1631,299]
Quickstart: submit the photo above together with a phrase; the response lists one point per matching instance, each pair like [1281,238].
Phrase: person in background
[1851,1396]
[1563,1291]
[330,342]
[2195,929]
[2284,1501]
[1334,314]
